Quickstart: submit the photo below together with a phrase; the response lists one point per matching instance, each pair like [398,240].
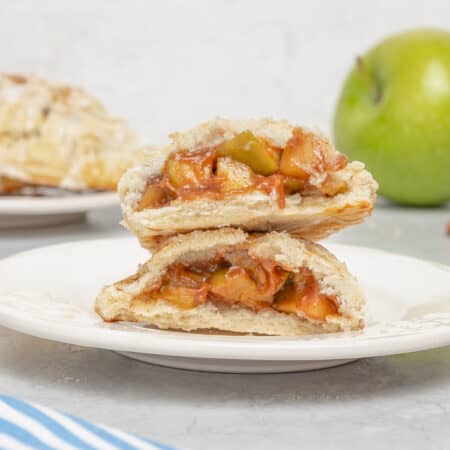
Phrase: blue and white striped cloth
[27,426]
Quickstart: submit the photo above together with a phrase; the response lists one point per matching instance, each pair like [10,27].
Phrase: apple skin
[394,115]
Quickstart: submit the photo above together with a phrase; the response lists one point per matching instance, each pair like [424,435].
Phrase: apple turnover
[260,175]
[55,135]
[231,281]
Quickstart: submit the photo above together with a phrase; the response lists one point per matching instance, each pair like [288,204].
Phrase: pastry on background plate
[9,185]
[55,135]
[258,174]
[230,281]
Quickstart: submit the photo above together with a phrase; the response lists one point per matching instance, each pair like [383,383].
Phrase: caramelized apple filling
[237,278]
[246,164]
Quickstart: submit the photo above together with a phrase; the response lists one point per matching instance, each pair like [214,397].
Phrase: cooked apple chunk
[189,170]
[156,195]
[254,152]
[332,185]
[302,296]
[293,185]
[307,155]
[235,176]
[234,285]
[182,297]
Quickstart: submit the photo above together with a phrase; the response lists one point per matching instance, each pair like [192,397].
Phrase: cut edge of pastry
[312,218]
[122,300]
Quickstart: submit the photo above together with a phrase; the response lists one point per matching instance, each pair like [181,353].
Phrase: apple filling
[237,278]
[246,163]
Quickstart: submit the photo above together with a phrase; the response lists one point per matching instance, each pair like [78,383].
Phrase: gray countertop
[395,402]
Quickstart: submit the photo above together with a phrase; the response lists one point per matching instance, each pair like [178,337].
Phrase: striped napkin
[26,426]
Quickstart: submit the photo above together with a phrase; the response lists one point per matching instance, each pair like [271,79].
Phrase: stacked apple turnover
[229,210]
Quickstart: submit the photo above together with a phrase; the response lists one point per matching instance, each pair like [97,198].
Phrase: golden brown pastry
[231,281]
[260,175]
[55,135]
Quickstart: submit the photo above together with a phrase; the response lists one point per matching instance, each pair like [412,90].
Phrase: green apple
[394,115]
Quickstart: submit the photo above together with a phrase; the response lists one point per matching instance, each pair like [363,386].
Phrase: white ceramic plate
[52,208]
[49,292]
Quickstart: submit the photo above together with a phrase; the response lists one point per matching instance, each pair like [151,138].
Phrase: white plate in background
[50,292]
[51,208]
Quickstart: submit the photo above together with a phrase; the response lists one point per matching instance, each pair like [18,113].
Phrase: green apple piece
[394,115]
[248,149]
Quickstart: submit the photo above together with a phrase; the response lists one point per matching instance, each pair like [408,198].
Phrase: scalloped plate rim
[171,343]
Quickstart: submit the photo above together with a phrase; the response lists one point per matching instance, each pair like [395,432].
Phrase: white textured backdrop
[165,65]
